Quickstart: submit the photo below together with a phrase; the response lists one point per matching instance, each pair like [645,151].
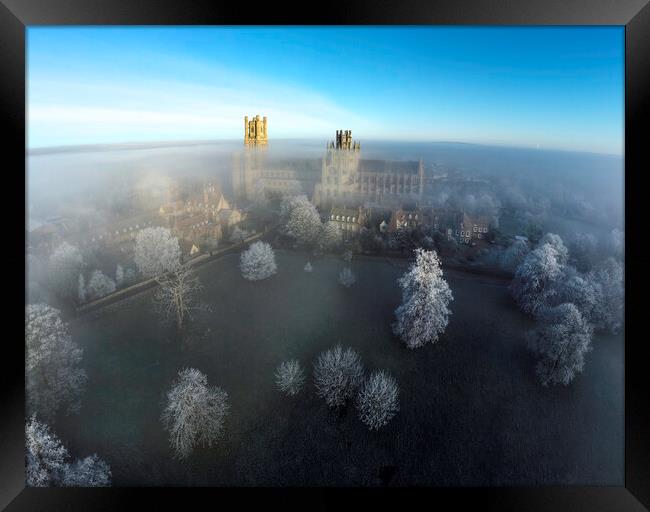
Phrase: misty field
[471,409]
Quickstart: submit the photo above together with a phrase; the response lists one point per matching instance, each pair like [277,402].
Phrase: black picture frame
[16,15]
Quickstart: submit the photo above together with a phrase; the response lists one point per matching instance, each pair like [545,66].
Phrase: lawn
[472,412]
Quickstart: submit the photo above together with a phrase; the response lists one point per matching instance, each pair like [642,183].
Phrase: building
[255,131]
[346,178]
[344,141]
[256,174]
[204,219]
[458,225]
[405,219]
[349,220]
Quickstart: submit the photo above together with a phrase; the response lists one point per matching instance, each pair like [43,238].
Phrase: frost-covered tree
[45,455]
[195,413]
[156,251]
[609,279]
[289,377]
[88,472]
[119,275]
[556,242]
[46,462]
[424,313]
[330,236]
[65,265]
[514,255]
[302,222]
[584,248]
[258,262]
[81,289]
[535,280]
[347,255]
[308,267]
[616,242]
[561,341]
[176,294]
[337,375]
[99,285]
[581,291]
[52,375]
[347,277]
[378,400]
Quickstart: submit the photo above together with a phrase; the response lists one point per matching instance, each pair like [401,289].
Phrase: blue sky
[556,87]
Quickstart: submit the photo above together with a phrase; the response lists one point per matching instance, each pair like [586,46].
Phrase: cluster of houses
[200,222]
[454,224]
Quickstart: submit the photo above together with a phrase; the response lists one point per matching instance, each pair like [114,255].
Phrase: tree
[610,300]
[514,255]
[378,400]
[258,262]
[45,455]
[535,280]
[301,220]
[584,248]
[424,313]
[119,275]
[347,255]
[330,236]
[337,375]
[99,285]
[176,294]
[616,242]
[82,289]
[52,374]
[46,462]
[195,413]
[580,291]
[347,277]
[156,251]
[289,377]
[89,472]
[308,267]
[370,241]
[65,265]
[556,242]
[561,342]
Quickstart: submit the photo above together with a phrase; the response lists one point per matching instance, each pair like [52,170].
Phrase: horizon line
[132,145]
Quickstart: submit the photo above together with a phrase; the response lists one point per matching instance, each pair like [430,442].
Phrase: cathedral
[255,131]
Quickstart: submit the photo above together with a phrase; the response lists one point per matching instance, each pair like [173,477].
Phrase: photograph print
[324,256]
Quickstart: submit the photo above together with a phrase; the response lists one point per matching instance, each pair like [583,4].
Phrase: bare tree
[176,295]
[289,377]
[195,413]
[52,374]
[378,400]
[337,375]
